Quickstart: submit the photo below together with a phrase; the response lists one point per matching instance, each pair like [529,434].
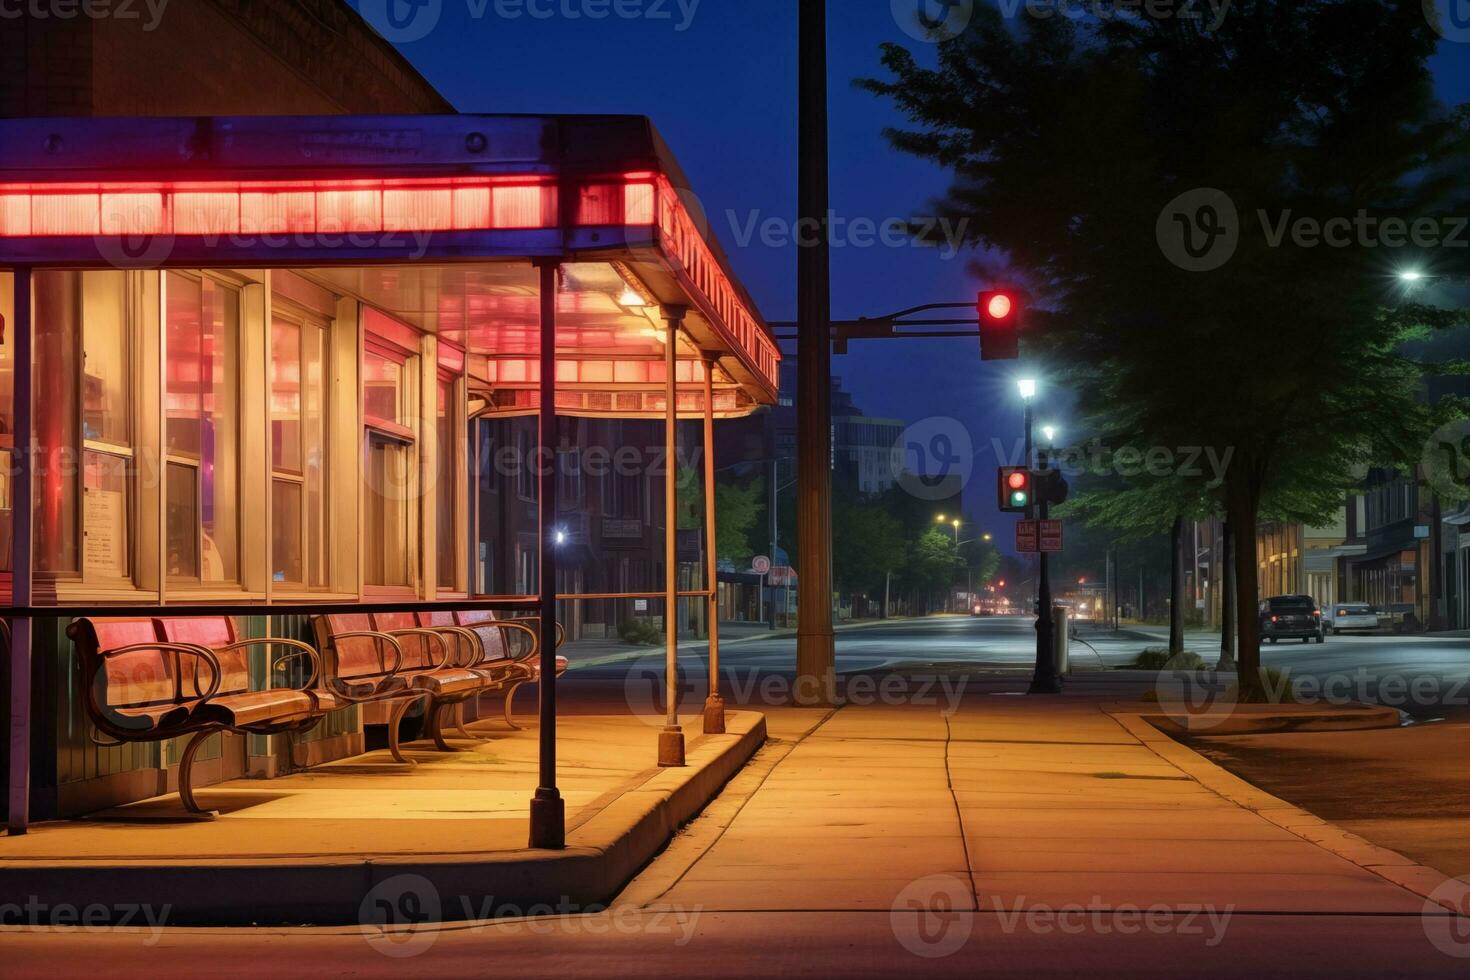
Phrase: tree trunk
[1226,578]
[1176,587]
[1243,504]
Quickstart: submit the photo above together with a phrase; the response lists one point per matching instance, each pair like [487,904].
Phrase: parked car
[1292,617]
[1352,616]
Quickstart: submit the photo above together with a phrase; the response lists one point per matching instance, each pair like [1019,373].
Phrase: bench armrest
[431,634]
[467,635]
[198,652]
[526,621]
[296,651]
[377,638]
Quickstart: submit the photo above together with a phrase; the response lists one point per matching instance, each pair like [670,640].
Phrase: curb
[603,853]
[1435,887]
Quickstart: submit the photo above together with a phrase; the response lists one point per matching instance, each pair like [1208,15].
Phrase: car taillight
[1317,613]
[1342,612]
[1273,619]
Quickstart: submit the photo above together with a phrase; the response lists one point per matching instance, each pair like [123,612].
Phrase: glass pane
[389,525]
[203,332]
[7,510]
[185,366]
[314,446]
[447,451]
[181,488]
[286,395]
[382,385]
[58,333]
[105,512]
[7,362]
[220,471]
[286,531]
[104,358]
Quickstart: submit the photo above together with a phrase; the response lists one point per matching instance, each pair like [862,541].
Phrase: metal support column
[714,705]
[19,798]
[671,739]
[548,809]
[815,652]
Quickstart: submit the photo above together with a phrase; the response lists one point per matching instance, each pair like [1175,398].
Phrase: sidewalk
[1017,836]
[1046,801]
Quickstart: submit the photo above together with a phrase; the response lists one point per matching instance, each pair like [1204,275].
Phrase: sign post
[761,565]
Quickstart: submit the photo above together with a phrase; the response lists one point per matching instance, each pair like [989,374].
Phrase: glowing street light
[1027,388]
[1050,431]
[1411,275]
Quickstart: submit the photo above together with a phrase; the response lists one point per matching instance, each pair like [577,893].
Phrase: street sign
[760,564]
[1026,536]
[1051,535]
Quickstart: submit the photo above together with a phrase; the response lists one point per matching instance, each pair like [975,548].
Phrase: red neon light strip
[255,208]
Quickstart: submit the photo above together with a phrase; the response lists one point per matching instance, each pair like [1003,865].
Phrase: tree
[933,562]
[738,506]
[1093,158]
[868,544]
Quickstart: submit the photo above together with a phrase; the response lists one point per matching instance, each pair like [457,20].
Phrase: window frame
[306,321]
[197,583]
[392,432]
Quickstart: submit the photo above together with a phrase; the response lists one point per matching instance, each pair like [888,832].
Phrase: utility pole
[814,644]
[1047,678]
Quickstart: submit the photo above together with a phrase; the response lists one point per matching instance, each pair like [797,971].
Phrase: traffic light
[1050,486]
[1013,489]
[1000,325]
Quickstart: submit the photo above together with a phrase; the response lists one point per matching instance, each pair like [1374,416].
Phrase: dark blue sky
[722,91]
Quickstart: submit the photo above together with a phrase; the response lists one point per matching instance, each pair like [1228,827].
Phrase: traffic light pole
[815,652]
[1046,679]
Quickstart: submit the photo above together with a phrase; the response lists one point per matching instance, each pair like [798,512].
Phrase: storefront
[280,365]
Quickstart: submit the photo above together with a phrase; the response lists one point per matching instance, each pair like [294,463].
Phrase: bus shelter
[243,359]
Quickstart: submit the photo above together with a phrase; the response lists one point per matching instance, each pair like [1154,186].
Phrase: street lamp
[1050,431]
[1027,388]
[986,536]
[1411,275]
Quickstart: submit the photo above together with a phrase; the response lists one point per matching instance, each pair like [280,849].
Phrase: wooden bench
[389,657]
[490,633]
[147,680]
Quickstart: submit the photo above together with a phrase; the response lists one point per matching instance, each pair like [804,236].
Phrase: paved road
[1424,676]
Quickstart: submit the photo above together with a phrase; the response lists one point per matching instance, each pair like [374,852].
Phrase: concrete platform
[440,839]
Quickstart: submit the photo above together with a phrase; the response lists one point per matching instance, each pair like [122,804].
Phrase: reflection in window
[84,450]
[7,416]
[447,506]
[390,523]
[391,527]
[298,450]
[202,430]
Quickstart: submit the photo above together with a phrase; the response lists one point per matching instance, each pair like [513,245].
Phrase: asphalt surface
[1424,676]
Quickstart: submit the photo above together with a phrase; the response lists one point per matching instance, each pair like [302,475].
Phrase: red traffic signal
[1000,325]
[1013,491]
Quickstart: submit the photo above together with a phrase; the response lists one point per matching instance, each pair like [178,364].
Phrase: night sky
[722,91]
